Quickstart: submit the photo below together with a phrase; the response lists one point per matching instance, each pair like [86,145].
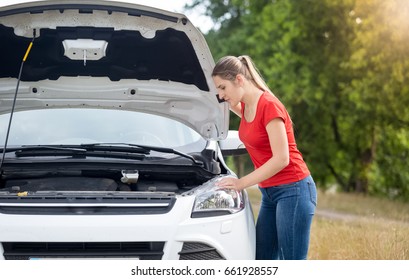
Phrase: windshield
[82,126]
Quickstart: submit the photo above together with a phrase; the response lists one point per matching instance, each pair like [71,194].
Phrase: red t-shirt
[255,138]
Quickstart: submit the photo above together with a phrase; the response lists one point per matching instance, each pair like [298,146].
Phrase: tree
[380,67]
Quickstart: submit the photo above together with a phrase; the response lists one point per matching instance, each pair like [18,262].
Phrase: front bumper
[171,236]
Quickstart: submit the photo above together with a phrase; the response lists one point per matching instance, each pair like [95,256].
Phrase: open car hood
[109,55]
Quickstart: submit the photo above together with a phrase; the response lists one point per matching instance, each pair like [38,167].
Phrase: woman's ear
[240,80]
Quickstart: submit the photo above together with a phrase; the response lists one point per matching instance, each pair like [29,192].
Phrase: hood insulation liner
[169,55]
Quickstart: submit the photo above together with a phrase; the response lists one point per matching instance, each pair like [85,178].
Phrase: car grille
[86,205]
[29,250]
[199,251]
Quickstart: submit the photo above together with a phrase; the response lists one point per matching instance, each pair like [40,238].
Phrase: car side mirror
[232,145]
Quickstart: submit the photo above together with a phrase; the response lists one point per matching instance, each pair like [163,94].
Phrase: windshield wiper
[44,147]
[146,148]
[112,150]
[78,151]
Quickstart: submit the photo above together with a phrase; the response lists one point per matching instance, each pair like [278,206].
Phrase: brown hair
[229,67]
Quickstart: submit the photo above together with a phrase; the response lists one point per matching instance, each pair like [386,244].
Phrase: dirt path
[333,215]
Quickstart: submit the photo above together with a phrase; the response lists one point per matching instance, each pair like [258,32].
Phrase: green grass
[373,228]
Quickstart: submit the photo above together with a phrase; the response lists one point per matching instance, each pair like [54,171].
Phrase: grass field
[355,227]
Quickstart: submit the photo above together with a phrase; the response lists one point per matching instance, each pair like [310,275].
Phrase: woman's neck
[252,96]
[250,100]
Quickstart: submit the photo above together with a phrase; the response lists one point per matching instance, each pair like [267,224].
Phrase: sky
[195,16]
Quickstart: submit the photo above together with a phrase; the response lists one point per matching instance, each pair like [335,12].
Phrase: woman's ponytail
[254,72]
[229,67]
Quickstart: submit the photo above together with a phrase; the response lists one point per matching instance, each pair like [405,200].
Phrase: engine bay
[109,180]
[88,184]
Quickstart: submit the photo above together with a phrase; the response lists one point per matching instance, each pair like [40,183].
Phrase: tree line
[341,67]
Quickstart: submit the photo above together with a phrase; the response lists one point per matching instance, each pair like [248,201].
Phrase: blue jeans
[284,221]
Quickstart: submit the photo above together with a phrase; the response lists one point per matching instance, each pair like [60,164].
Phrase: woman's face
[227,90]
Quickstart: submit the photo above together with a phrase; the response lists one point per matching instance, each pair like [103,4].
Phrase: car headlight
[212,200]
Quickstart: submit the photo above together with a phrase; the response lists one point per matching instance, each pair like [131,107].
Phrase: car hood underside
[109,55]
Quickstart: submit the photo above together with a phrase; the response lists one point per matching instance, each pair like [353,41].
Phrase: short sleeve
[272,109]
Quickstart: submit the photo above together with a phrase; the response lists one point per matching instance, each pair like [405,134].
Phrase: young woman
[288,191]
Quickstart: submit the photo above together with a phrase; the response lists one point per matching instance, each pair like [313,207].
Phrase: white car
[112,137]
